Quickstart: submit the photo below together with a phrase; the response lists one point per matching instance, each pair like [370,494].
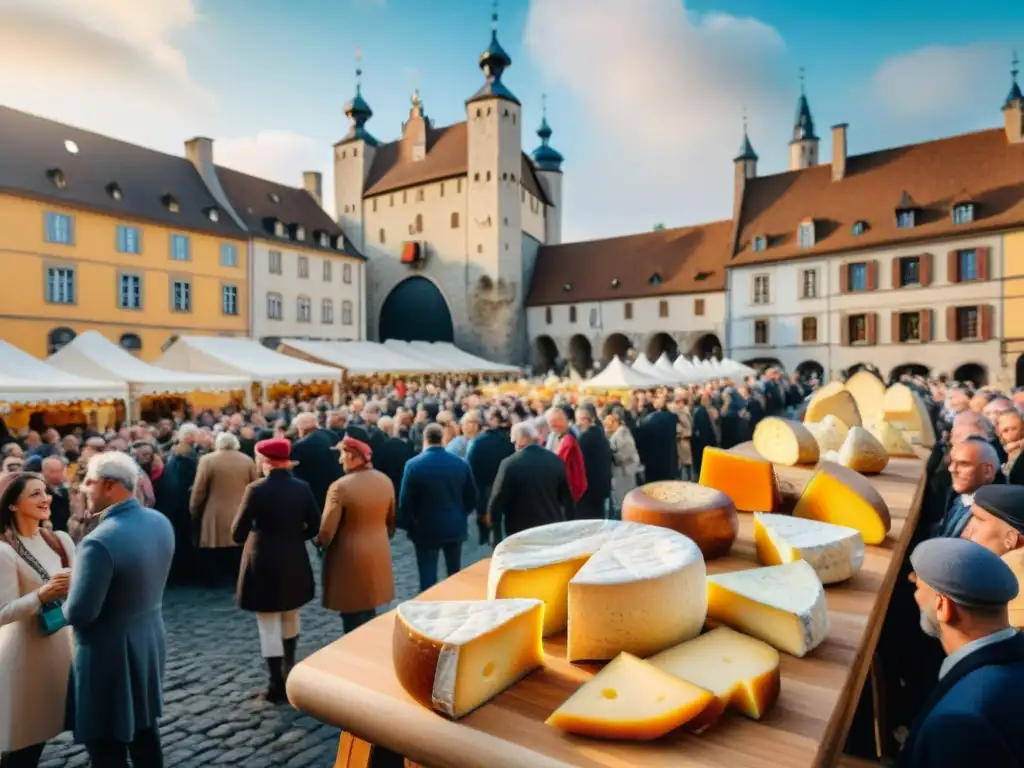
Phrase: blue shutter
[122,239]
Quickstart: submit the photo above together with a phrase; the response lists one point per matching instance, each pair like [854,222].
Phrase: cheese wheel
[750,482]
[833,399]
[867,391]
[829,433]
[705,515]
[785,442]
[893,440]
[841,496]
[904,409]
[834,551]
[862,452]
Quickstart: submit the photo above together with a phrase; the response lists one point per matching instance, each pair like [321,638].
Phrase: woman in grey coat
[625,458]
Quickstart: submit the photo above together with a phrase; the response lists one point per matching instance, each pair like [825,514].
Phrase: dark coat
[60,508]
[703,435]
[391,458]
[597,460]
[972,718]
[275,518]
[485,455]
[179,477]
[656,442]
[531,489]
[437,495]
[317,462]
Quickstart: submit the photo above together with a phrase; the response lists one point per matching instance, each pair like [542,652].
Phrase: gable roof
[33,147]
[933,176]
[447,157]
[685,259]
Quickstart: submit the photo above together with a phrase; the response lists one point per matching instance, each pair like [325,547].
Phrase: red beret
[357,447]
[275,449]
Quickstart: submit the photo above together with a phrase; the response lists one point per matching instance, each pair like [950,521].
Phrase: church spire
[746,148]
[1015,96]
[546,157]
[494,61]
[358,110]
[803,125]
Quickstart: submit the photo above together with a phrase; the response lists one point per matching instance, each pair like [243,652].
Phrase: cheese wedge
[1015,559]
[834,551]
[829,433]
[785,442]
[749,482]
[705,515]
[833,399]
[455,655]
[841,496]
[617,586]
[862,452]
[867,391]
[784,605]
[904,409]
[741,671]
[630,699]
[893,440]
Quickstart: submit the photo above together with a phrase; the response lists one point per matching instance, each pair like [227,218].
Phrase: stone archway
[858,367]
[59,338]
[908,369]
[581,357]
[545,355]
[415,310]
[974,373]
[707,347]
[616,345]
[763,363]
[660,343]
[811,369]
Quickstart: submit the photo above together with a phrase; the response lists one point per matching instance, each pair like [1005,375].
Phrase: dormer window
[859,228]
[170,203]
[57,178]
[760,243]
[324,239]
[905,219]
[114,191]
[655,279]
[963,213]
[805,234]
[274,197]
[279,230]
[213,214]
[906,212]
[615,282]
[300,232]
[702,275]
[567,287]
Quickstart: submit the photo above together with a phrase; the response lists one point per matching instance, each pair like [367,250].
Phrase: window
[300,233]
[967,265]
[698,307]
[967,325]
[327,311]
[910,326]
[328,276]
[859,227]
[593,317]
[627,310]
[405,196]
[572,314]
[963,213]
[274,262]
[171,203]
[60,285]
[458,185]
[805,234]
[442,189]
[275,306]
[762,286]
[857,326]
[304,310]
[181,296]
[130,292]
[760,331]
[910,271]
[346,312]
[663,308]
[418,226]
[760,243]
[374,206]
[455,220]
[279,230]
[346,273]
[809,330]
[858,277]
[655,279]
[809,284]
[228,255]
[905,219]
[547,315]
[229,299]
[131,342]
[180,248]
[380,235]
[128,239]
[303,266]
[60,228]
[419,195]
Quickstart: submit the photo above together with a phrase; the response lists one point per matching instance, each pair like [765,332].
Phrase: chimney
[313,182]
[199,151]
[839,151]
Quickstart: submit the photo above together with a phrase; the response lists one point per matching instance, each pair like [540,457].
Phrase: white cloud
[664,90]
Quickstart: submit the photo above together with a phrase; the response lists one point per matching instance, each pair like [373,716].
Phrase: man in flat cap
[997,518]
[972,717]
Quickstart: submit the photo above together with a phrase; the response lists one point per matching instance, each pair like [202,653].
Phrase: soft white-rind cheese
[836,552]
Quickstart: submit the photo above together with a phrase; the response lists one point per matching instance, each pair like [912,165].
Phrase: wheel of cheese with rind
[836,552]
[829,433]
[705,515]
[862,452]
[833,399]
[785,442]
[615,586]
[839,495]
[456,655]
[893,440]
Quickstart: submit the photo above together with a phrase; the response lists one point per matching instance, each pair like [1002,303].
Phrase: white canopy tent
[649,369]
[93,354]
[473,363]
[737,369]
[25,379]
[236,356]
[618,375]
[358,358]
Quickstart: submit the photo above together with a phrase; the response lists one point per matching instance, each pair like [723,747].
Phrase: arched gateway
[415,310]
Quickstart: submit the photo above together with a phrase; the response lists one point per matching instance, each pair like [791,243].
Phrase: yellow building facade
[1013,306]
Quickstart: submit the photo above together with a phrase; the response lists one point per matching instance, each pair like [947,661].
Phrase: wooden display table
[351,683]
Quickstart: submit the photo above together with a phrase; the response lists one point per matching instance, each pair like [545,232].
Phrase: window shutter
[926,325]
[800,283]
[951,329]
[985,322]
[926,269]
[895,273]
[872,269]
[844,330]
[982,257]
[844,278]
[71,231]
[872,329]
[953,267]
[894,328]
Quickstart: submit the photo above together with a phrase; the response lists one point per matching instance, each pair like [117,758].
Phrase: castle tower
[353,157]
[1013,108]
[803,149]
[548,162]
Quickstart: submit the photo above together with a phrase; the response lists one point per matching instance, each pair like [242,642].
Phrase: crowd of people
[239,496]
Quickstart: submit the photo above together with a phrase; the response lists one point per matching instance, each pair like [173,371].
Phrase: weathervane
[359,66]
[744,121]
[494,16]
[803,83]
[1014,66]
[544,105]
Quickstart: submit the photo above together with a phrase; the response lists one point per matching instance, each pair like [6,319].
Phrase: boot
[275,692]
[290,644]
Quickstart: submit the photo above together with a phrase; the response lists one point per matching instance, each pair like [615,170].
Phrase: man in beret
[972,718]
[997,518]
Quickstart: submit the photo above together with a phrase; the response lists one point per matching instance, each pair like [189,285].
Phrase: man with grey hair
[973,463]
[115,609]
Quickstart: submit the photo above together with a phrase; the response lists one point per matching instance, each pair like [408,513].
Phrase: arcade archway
[580,354]
[908,369]
[660,343]
[761,363]
[811,369]
[545,355]
[415,310]
[616,345]
[971,372]
[59,338]
[707,347]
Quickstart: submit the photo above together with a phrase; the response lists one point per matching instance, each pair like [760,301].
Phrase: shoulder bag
[51,614]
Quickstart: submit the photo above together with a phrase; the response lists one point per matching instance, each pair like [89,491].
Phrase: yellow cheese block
[741,671]
[867,391]
[1015,559]
[893,439]
[863,452]
[833,399]
[630,699]
[842,496]
[785,442]
[455,655]
[903,408]
[751,483]
[829,433]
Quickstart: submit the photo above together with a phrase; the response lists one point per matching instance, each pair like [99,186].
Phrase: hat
[1003,501]
[358,447]
[357,433]
[275,449]
[967,573]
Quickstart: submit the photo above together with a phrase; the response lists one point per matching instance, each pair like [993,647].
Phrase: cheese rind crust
[705,515]
[841,496]
[835,552]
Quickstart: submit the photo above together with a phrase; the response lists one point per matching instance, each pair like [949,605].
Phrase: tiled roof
[33,150]
[659,263]
[981,167]
[447,157]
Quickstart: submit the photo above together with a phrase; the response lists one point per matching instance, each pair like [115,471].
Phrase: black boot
[290,644]
[275,692]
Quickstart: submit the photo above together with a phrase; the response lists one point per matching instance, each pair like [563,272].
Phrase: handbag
[51,614]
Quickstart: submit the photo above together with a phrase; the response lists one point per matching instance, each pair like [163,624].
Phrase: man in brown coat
[355,532]
[220,483]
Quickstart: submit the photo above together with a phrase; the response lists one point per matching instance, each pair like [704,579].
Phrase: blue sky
[646,97]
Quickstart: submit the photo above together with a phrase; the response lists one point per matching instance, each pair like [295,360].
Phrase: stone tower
[803,149]
[548,162]
[353,157]
[1013,107]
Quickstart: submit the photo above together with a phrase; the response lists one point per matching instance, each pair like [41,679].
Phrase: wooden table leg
[355,753]
[885,741]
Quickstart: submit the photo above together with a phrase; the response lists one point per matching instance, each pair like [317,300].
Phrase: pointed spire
[803,125]
[358,110]
[546,157]
[746,148]
[494,61]
[1015,96]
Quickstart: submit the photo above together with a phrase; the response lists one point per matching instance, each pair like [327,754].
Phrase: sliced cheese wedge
[785,442]
[841,496]
[784,605]
[630,699]
[834,551]
[829,433]
[835,400]
[862,452]
[867,391]
[741,671]
[903,408]
[893,440]
[456,655]
[749,482]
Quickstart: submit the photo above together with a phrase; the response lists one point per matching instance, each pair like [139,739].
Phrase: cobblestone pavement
[214,668]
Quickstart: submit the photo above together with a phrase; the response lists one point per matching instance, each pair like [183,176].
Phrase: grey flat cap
[1003,501]
[967,573]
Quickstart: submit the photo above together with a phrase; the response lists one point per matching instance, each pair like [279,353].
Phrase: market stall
[358,358]
[619,377]
[448,357]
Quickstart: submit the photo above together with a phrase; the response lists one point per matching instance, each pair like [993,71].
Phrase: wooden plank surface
[351,683]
